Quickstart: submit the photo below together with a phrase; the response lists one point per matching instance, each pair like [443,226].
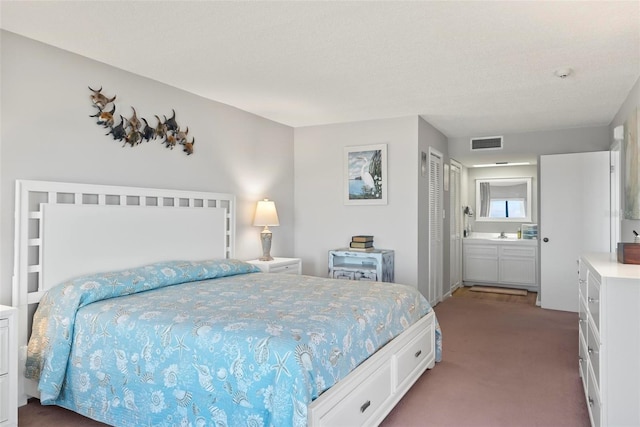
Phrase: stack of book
[362,243]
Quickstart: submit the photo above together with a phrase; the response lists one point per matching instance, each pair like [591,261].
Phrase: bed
[145,317]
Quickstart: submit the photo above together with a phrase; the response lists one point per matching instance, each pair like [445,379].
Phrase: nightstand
[279,265]
[8,367]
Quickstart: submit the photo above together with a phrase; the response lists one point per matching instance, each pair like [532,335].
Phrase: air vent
[487,143]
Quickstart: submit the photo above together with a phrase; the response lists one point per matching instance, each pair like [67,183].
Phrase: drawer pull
[580,320]
[365,406]
[591,351]
[580,360]
[590,401]
[592,300]
[418,353]
[581,281]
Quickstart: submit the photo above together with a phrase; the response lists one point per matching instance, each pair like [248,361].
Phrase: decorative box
[629,253]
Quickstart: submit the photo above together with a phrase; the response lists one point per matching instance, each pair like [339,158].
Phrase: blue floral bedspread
[205,343]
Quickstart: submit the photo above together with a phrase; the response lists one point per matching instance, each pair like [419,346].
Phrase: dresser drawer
[415,354]
[371,276]
[593,351]
[356,409]
[287,269]
[583,317]
[593,400]
[593,299]
[583,357]
[343,274]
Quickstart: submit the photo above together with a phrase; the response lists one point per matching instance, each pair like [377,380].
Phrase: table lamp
[266,215]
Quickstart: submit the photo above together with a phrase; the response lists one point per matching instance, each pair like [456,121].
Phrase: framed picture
[365,175]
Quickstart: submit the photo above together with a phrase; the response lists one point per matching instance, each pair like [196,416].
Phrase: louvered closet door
[435,227]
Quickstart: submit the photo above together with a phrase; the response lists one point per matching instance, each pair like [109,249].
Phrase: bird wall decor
[133,130]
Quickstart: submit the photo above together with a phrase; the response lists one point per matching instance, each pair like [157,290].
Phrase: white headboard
[64,230]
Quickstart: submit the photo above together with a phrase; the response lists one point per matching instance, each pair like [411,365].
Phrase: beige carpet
[498,290]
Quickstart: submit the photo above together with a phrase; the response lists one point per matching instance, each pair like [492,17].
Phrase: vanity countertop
[510,238]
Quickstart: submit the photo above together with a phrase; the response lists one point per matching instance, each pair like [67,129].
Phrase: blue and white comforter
[204,343]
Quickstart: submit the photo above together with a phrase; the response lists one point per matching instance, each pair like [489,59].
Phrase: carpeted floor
[505,363]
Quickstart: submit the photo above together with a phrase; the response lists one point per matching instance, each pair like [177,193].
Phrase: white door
[435,227]
[616,206]
[574,219]
[455,217]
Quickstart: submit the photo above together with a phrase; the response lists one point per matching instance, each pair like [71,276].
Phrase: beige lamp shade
[266,214]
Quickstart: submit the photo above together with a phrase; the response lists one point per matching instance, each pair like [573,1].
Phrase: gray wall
[47,135]
[324,222]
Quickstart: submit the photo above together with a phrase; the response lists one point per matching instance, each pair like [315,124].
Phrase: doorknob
[546,239]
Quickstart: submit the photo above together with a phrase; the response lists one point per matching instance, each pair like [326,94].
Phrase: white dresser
[8,367]
[609,359]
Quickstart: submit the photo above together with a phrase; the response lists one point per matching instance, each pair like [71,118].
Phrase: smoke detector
[563,73]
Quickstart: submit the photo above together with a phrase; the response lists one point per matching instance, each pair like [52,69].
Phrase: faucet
[502,235]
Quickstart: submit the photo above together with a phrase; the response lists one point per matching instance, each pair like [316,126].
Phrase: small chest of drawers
[279,265]
[375,265]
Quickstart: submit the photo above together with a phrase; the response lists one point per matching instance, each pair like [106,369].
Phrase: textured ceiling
[469,68]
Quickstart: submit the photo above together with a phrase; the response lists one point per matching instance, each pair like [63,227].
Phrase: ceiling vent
[486,143]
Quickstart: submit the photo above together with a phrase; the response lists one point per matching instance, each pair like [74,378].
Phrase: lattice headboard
[64,230]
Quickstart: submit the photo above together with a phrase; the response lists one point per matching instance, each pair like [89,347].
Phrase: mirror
[503,199]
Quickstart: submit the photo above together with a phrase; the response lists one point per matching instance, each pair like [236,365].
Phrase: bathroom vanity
[500,261]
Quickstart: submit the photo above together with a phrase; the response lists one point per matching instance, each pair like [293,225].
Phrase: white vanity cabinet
[479,262]
[609,339]
[507,262]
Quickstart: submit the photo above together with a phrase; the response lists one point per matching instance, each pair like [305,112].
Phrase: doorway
[455,219]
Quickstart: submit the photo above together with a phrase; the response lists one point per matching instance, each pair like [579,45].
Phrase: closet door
[574,219]
[435,227]
[455,218]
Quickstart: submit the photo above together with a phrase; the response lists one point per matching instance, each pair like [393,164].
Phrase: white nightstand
[8,367]
[279,265]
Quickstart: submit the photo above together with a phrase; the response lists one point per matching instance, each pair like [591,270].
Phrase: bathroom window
[507,208]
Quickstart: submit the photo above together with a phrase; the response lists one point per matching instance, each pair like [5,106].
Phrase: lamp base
[265,237]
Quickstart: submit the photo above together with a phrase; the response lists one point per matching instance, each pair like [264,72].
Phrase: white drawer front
[415,354]
[287,269]
[583,318]
[593,299]
[4,349]
[583,358]
[593,400]
[4,398]
[593,350]
[481,250]
[356,409]
[518,251]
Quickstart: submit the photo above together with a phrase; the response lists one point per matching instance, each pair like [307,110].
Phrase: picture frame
[365,175]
